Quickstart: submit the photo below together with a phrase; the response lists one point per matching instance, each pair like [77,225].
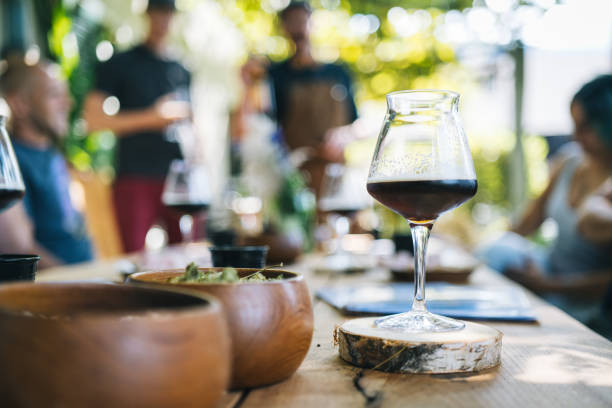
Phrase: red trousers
[138,206]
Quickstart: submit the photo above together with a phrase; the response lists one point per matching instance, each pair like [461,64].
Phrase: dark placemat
[465,302]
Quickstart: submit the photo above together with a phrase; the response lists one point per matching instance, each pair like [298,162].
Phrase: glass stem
[342,225]
[186,227]
[420,236]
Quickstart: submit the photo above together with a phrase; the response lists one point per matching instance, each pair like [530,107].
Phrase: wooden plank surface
[555,363]
[102,270]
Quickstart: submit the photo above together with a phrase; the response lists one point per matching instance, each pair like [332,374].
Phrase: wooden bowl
[270,323]
[105,345]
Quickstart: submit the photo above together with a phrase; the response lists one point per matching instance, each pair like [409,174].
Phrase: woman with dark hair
[577,268]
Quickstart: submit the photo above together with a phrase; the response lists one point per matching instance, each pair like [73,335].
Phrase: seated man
[45,223]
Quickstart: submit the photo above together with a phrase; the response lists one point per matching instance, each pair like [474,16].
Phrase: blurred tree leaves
[380,58]
[73,39]
[361,35]
[387,44]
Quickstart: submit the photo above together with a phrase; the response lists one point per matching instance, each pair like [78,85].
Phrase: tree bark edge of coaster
[477,347]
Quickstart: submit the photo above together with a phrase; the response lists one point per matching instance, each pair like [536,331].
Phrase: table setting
[195,325]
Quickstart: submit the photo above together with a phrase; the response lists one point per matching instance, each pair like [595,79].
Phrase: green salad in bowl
[193,274]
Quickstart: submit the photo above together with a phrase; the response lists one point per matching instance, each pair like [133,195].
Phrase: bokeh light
[104,50]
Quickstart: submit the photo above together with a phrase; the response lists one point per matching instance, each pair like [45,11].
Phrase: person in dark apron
[310,99]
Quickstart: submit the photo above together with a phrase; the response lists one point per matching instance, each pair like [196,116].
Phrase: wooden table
[555,363]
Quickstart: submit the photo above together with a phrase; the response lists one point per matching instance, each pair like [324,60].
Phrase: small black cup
[403,242]
[15,267]
[222,238]
[239,256]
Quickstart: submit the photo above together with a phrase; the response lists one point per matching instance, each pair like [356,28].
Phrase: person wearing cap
[153,93]
[311,99]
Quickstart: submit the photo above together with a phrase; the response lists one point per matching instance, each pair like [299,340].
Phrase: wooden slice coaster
[474,348]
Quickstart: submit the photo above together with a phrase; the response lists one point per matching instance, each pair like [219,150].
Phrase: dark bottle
[188,208]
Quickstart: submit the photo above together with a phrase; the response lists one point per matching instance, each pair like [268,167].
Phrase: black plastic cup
[403,242]
[222,237]
[16,267]
[239,256]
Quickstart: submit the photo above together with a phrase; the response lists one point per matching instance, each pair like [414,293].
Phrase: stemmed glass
[422,167]
[11,182]
[342,196]
[187,192]
[178,104]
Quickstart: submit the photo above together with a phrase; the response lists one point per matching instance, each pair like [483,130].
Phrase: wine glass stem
[420,236]
[342,226]
[186,227]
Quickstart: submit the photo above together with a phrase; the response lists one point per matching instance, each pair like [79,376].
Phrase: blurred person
[312,101]
[153,93]
[577,268]
[594,221]
[595,213]
[45,222]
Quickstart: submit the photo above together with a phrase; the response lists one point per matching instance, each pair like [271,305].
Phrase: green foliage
[61,25]
[72,41]
[381,60]
[492,179]
[294,207]
[193,274]
[380,7]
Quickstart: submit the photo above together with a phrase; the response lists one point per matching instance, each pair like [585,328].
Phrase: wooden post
[518,172]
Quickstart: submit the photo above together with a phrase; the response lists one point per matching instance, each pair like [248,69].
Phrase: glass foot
[419,322]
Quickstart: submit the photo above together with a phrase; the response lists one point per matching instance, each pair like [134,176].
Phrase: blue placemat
[465,302]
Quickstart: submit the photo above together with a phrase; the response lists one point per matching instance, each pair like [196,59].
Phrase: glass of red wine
[11,182]
[422,167]
[342,196]
[187,192]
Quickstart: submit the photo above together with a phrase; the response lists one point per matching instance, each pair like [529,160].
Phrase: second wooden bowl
[271,323]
